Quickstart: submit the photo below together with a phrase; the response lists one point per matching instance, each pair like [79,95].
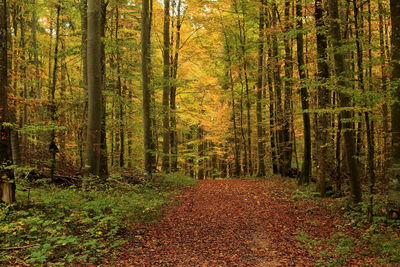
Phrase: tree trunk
[174,75]
[120,94]
[7,182]
[394,173]
[260,74]
[323,99]
[229,85]
[278,91]
[368,124]
[94,71]
[166,89]
[288,110]
[201,149]
[53,107]
[272,114]
[145,69]
[103,172]
[38,90]
[345,101]
[306,168]
[84,26]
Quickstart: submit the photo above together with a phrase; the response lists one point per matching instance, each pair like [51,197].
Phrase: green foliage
[70,225]
[305,193]
[383,241]
[302,237]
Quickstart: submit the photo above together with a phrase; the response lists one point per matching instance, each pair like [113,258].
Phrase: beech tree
[395,161]
[146,88]
[345,100]
[95,109]
[7,182]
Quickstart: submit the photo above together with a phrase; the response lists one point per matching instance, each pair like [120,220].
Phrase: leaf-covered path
[233,223]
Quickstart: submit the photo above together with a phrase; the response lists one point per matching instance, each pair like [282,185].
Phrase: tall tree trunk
[146,88]
[243,44]
[94,71]
[394,190]
[287,145]
[174,75]
[370,150]
[84,62]
[383,70]
[229,85]
[120,94]
[7,182]
[323,99]
[103,139]
[53,107]
[278,90]
[345,101]
[272,116]
[306,168]
[260,84]
[38,90]
[201,149]
[166,89]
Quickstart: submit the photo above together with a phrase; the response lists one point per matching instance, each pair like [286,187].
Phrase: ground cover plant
[53,225]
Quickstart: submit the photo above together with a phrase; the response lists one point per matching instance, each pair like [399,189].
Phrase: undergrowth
[57,226]
[381,237]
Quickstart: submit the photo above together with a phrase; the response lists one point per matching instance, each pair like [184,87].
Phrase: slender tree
[306,168]
[94,78]
[323,98]
[7,182]
[146,88]
[174,75]
[276,74]
[394,194]
[288,110]
[345,100]
[53,107]
[260,74]
[166,89]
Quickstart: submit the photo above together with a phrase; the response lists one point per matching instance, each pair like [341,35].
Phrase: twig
[21,247]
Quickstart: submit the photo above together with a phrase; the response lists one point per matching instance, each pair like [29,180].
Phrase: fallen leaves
[233,223]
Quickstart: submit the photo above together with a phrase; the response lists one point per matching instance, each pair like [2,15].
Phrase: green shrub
[66,225]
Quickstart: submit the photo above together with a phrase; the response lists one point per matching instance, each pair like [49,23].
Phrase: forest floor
[253,223]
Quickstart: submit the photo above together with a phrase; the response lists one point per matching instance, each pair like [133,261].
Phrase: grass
[68,225]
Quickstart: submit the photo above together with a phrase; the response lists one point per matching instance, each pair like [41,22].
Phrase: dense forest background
[230,88]
[98,89]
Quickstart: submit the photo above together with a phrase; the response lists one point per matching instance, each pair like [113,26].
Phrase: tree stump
[7,192]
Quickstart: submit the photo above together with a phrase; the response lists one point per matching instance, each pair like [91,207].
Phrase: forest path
[232,223]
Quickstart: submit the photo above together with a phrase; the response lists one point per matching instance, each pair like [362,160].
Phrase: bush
[66,225]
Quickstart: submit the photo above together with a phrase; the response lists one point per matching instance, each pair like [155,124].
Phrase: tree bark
[260,74]
[306,167]
[94,71]
[345,101]
[146,88]
[7,182]
[394,190]
[53,107]
[166,89]
[368,124]
[323,99]
[174,75]
[84,82]
[103,172]
[278,91]
[287,143]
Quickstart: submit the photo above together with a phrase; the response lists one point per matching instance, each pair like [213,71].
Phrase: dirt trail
[231,223]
